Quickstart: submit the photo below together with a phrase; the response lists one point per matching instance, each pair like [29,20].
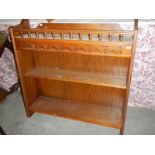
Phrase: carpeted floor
[14,121]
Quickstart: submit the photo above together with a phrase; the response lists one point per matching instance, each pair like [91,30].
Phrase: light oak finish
[77,71]
[91,113]
[82,92]
[120,49]
[99,79]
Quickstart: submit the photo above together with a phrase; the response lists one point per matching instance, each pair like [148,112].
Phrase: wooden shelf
[93,78]
[98,114]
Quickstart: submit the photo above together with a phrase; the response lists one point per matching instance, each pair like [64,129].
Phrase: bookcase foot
[29,113]
[122,131]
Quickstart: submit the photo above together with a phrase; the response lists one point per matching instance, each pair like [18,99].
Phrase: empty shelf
[94,78]
[92,113]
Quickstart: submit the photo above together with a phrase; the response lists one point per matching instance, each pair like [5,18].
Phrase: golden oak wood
[93,78]
[129,74]
[92,113]
[82,92]
[80,62]
[77,71]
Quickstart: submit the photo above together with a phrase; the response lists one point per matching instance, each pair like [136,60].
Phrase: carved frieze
[69,47]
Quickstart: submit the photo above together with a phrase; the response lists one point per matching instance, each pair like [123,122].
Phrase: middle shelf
[93,78]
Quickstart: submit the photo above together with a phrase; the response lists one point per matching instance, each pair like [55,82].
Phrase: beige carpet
[14,121]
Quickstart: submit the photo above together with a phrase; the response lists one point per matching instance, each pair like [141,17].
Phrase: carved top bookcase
[76,71]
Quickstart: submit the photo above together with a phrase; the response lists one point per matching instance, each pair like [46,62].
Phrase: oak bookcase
[77,71]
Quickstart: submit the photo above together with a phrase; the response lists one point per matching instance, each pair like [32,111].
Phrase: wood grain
[108,96]
[88,47]
[93,78]
[79,62]
[91,113]
[80,26]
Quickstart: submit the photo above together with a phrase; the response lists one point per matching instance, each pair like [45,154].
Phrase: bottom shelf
[96,114]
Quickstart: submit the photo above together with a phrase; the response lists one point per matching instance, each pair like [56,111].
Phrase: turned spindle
[29,34]
[37,36]
[100,36]
[45,35]
[120,37]
[90,36]
[110,37]
[71,36]
[80,36]
[62,35]
[53,35]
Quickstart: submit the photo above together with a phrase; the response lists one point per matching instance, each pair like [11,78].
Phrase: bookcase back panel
[107,96]
[86,93]
[93,63]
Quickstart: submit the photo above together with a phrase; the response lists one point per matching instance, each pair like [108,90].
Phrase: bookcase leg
[122,130]
[29,114]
